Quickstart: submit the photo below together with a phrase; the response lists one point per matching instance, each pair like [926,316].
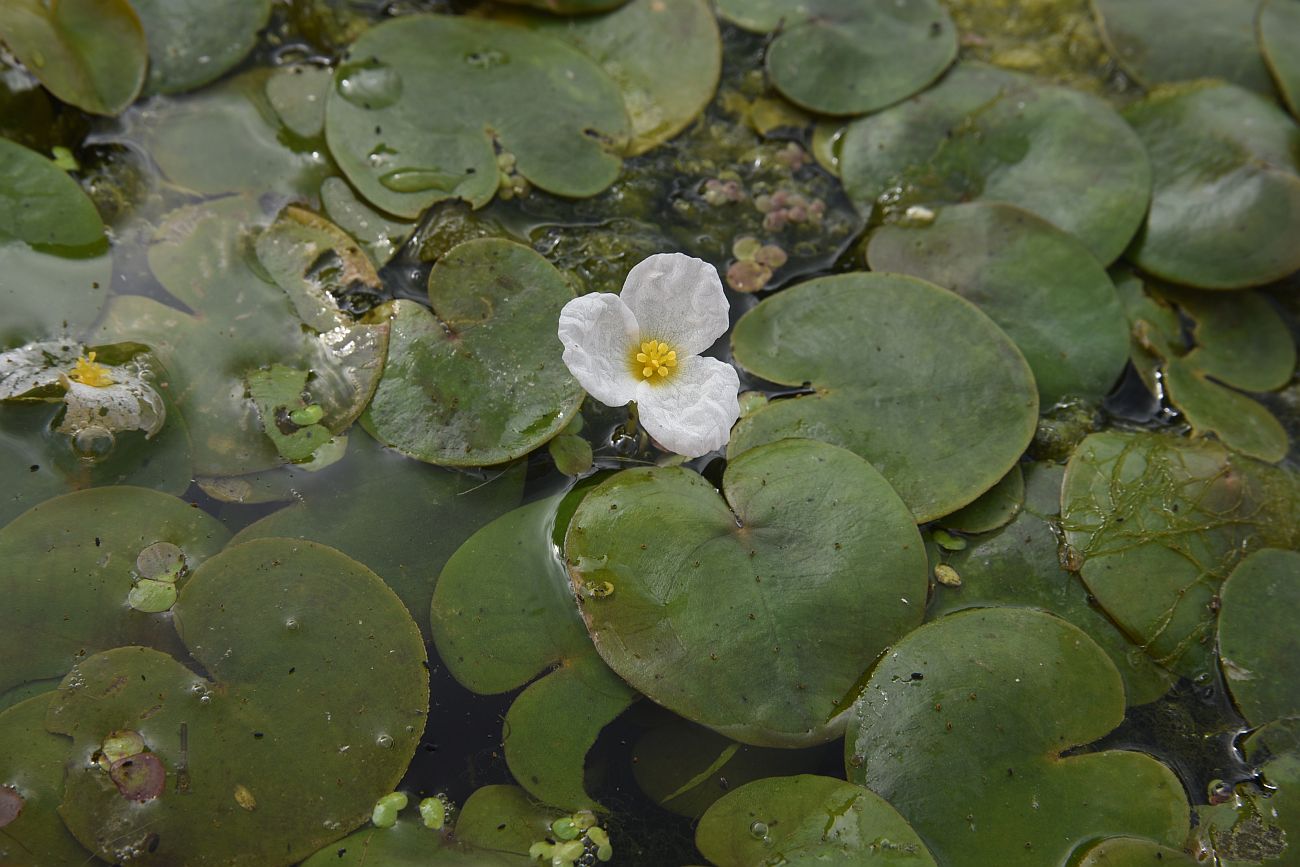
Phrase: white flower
[645,345]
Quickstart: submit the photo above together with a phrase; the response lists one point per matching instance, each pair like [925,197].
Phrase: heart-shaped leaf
[421,104]
[316,701]
[752,615]
[961,727]
[1061,154]
[480,379]
[498,635]
[886,357]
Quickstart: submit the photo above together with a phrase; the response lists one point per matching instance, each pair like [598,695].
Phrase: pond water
[314,550]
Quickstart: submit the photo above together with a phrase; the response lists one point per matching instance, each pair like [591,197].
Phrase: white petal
[598,333]
[677,299]
[692,413]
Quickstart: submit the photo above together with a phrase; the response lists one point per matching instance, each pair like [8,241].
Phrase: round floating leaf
[1159,41]
[31,781]
[1279,38]
[1020,566]
[41,204]
[995,508]
[1242,423]
[1157,523]
[631,45]
[375,496]
[752,615]
[202,255]
[900,370]
[1061,154]
[416,110]
[90,53]
[961,728]
[685,768]
[380,235]
[1041,285]
[316,704]
[67,567]
[838,58]
[225,139]
[805,820]
[1225,209]
[479,380]
[1133,852]
[1259,646]
[759,16]
[297,93]
[192,42]
[497,636]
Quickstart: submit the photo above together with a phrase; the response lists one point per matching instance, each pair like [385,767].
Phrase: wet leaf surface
[899,369]
[969,751]
[193,42]
[752,615]
[1258,644]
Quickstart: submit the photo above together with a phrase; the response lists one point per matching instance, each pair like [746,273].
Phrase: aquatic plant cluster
[649,431]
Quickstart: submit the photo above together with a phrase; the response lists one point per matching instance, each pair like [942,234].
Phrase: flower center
[654,361]
[87,371]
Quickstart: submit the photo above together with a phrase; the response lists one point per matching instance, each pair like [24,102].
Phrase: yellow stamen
[654,361]
[87,371]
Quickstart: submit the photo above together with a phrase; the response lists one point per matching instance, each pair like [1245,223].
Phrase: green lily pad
[226,138]
[685,768]
[297,93]
[995,508]
[1061,154]
[480,379]
[40,203]
[499,635]
[570,7]
[1225,208]
[631,43]
[900,369]
[837,58]
[1161,41]
[375,496]
[751,615]
[205,256]
[1258,643]
[1133,852]
[1041,285]
[290,422]
[1020,566]
[193,42]
[1279,39]
[1238,338]
[34,774]
[805,820]
[1239,421]
[961,728]
[89,53]
[316,703]
[419,105]
[67,566]
[1155,524]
